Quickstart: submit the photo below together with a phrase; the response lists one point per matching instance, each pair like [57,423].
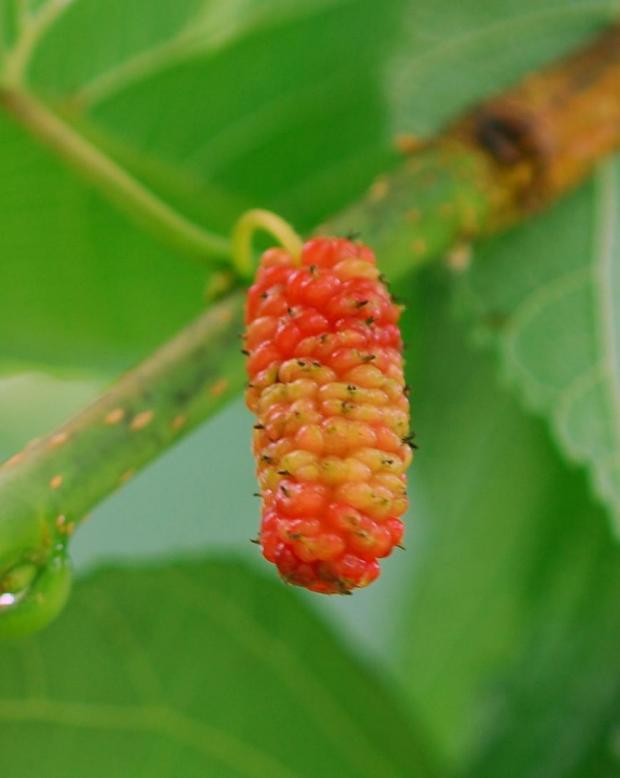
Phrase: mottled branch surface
[503,160]
[47,488]
[543,137]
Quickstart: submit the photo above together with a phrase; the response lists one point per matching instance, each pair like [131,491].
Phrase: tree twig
[500,162]
[48,488]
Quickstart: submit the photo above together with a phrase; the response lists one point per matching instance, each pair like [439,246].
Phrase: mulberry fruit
[324,359]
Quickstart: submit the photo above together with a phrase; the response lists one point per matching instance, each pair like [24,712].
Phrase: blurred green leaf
[79,287]
[485,484]
[548,297]
[511,565]
[454,54]
[557,712]
[196,669]
[263,101]
[238,111]
[98,63]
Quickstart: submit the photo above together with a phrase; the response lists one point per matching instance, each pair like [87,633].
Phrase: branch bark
[48,488]
[500,162]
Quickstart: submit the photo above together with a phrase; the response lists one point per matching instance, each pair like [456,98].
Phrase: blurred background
[489,647]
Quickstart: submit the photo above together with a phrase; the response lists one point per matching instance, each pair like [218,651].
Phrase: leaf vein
[530,307]
[606,251]
[326,710]
[208,740]
[468,37]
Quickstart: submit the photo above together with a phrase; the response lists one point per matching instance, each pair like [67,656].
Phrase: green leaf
[485,483]
[263,118]
[508,638]
[98,63]
[80,287]
[452,56]
[214,106]
[556,712]
[548,295]
[196,669]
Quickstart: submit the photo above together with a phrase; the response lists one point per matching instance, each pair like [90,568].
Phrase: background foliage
[488,648]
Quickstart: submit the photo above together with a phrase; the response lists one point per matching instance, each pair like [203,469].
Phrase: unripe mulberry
[324,359]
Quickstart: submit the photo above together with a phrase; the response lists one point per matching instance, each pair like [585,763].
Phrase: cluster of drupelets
[332,435]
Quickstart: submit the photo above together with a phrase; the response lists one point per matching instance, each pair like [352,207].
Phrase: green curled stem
[248,224]
[30,597]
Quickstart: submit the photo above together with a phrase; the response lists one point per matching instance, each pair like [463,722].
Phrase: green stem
[30,28]
[248,224]
[437,200]
[132,196]
[498,163]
